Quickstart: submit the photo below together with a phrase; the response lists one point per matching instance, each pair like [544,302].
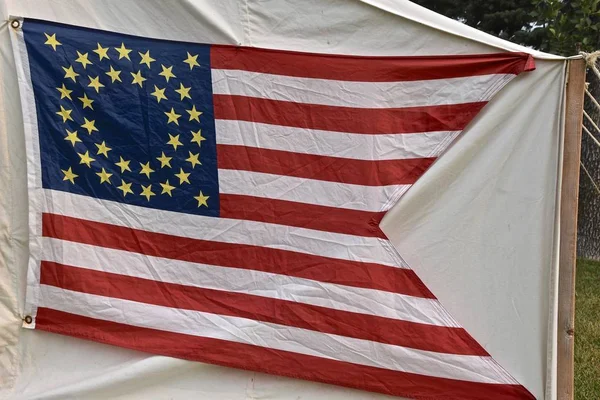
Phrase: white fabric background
[479,227]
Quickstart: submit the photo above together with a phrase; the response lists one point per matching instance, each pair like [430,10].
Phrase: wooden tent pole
[568,228]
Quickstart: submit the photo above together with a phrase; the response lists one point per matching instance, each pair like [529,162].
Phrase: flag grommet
[28,319]
[15,23]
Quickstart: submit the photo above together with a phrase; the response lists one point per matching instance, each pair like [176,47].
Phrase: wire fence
[588,240]
[592,62]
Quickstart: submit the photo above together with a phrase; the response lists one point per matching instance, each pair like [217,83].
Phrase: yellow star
[65,114]
[167,72]
[124,165]
[147,192]
[191,60]
[146,59]
[159,94]
[86,101]
[174,141]
[69,175]
[164,160]
[184,91]
[104,176]
[173,117]
[72,137]
[194,114]
[83,59]
[103,149]
[125,188]
[114,75]
[167,188]
[52,41]
[123,52]
[101,51]
[202,199]
[197,137]
[64,92]
[70,73]
[183,176]
[146,169]
[85,158]
[137,78]
[193,159]
[95,83]
[89,125]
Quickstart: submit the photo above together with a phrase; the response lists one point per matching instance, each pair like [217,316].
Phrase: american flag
[221,204]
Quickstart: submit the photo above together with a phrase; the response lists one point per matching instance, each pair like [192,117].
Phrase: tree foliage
[555,26]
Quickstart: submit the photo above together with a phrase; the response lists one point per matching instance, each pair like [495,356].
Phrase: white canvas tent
[480,228]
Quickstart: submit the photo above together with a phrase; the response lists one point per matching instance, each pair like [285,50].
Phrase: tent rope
[591,59]
[590,176]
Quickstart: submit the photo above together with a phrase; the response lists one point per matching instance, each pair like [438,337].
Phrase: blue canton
[124,118]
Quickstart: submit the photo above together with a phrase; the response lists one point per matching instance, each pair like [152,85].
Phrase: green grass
[587,331]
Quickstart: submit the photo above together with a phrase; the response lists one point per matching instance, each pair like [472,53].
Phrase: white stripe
[302,190]
[265,284]
[274,336]
[332,144]
[357,94]
[321,243]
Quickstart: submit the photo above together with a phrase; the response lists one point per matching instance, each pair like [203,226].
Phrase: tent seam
[247,33]
[539,55]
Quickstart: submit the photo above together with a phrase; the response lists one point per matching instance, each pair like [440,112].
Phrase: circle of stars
[96,85]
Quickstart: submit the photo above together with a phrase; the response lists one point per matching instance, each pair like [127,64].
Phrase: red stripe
[272,361]
[367,69]
[447,117]
[302,215]
[368,327]
[324,269]
[332,169]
